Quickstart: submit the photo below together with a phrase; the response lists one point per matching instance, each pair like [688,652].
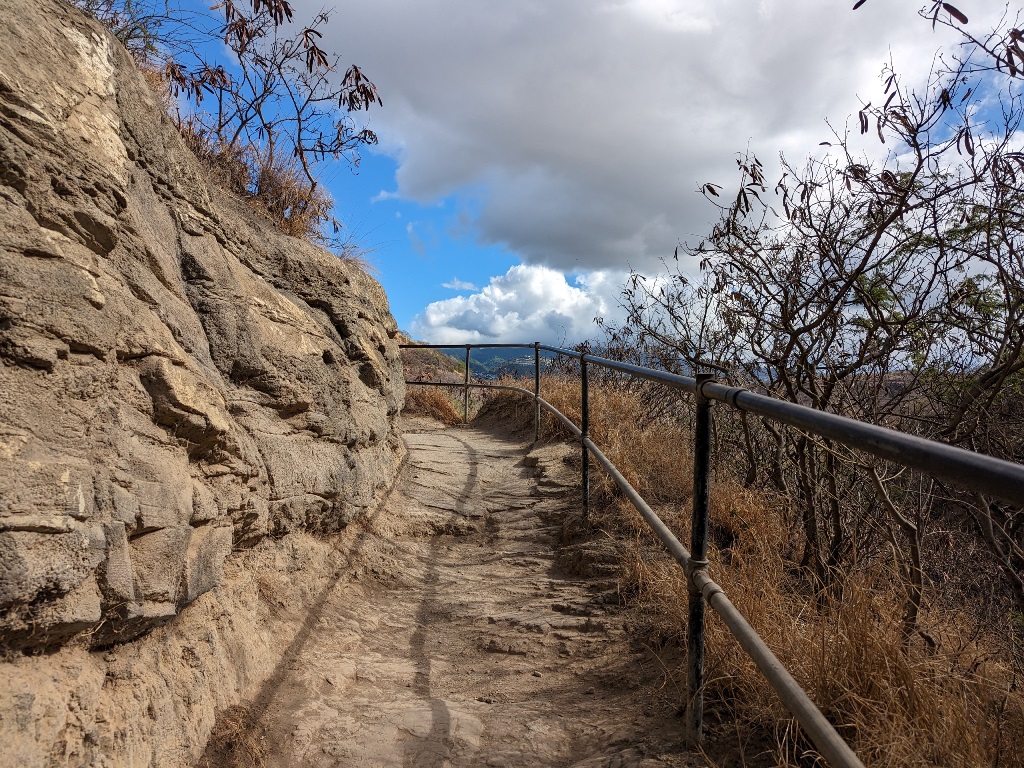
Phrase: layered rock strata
[178,380]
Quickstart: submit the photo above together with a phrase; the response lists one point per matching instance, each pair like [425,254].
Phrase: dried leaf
[955,13]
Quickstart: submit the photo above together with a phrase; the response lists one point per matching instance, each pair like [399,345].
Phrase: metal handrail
[973,471]
[967,469]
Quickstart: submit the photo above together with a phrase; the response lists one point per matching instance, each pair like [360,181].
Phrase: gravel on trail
[462,642]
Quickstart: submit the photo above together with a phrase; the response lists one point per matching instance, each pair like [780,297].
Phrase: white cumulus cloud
[458,285]
[528,303]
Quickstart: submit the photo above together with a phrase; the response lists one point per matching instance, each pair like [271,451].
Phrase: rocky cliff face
[178,380]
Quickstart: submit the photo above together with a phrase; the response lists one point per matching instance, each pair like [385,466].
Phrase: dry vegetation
[276,187]
[264,125]
[442,403]
[952,701]
[235,741]
[432,402]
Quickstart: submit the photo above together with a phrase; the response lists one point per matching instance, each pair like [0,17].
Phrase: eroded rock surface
[177,379]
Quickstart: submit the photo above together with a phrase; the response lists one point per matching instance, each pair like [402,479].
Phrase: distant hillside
[442,365]
[492,363]
[429,364]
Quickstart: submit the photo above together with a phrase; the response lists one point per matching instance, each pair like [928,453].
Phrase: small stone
[536,673]
[589,691]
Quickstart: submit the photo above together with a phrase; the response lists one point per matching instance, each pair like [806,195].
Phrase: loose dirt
[464,644]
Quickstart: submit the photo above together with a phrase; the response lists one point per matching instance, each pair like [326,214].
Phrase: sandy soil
[466,645]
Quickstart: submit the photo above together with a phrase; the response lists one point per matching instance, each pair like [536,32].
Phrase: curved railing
[972,471]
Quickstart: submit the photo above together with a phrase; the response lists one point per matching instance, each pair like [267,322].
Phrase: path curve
[467,646]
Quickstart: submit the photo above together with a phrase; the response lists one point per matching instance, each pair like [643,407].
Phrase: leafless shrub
[265,122]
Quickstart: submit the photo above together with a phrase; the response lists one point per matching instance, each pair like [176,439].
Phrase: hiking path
[465,643]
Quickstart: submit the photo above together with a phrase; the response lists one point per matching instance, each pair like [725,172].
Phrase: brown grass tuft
[275,186]
[432,402]
[235,742]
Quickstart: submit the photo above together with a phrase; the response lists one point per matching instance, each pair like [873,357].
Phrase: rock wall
[179,382]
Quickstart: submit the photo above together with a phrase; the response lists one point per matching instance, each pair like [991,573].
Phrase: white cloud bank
[528,303]
[582,128]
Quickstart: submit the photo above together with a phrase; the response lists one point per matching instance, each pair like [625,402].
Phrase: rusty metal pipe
[995,477]
[585,429]
[536,391]
[465,393]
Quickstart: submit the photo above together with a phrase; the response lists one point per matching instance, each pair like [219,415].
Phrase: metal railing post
[465,390]
[698,561]
[585,428]
[536,391]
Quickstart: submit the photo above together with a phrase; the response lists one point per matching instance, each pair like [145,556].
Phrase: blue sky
[414,249]
[532,152]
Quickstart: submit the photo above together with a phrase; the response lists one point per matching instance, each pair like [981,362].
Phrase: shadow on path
[234,741]
[440,742]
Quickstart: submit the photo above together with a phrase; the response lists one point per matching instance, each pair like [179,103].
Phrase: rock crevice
[178,380]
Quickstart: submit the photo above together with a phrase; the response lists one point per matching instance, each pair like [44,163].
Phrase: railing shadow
[441,719]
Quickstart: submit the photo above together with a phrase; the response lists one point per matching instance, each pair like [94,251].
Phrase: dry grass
[236,741]
[953,705]
[154,79]
[432,402]
[443,403]
[275,186]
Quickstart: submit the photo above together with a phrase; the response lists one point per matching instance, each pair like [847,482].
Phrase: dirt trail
[468,646]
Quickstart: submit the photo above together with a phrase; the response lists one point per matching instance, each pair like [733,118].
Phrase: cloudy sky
[532,152]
